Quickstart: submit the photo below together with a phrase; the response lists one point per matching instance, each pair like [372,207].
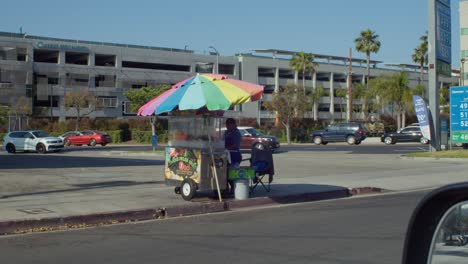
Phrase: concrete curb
[100,219]
[61,223]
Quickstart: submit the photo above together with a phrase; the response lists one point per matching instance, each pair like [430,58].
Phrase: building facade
[44,69]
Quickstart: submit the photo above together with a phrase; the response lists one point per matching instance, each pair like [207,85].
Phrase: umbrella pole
[213,167]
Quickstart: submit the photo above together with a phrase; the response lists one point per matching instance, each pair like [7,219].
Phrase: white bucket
[241,189]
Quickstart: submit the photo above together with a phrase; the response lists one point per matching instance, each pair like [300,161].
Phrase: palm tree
[304,63]
[420,56]
[368,42]
[394,89]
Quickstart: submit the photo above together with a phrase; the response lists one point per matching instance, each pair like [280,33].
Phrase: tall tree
[139,97]
[365,95]
[420,56]
[304,63]
[84,103]
[394,89]
[3,115]
[368,42]
[21,107]
[341,94]
[315,97]
[287,103]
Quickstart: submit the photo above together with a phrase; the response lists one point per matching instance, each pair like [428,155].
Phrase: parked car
[353,133]
[410,133]
[88,137]
[252,138]
[31,140]
[69,133]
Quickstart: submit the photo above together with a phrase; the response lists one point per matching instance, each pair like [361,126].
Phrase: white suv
[31,140]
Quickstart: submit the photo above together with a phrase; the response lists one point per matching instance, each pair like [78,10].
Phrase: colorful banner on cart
[183,163]
[423,118]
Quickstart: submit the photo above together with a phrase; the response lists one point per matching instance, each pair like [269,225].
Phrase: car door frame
[30,141]
[329,134]
[18,141]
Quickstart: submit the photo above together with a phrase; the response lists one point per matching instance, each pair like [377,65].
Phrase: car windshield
[40,134]
[253,132]
[142,116]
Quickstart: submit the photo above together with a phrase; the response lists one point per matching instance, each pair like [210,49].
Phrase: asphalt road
[358,149]
[359,230]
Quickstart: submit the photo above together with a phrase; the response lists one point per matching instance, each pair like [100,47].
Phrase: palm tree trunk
[286,124]
[303,79]
[421,75]
[403,119]
[368,69]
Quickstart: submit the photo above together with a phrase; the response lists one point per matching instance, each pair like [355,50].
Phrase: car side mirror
[31,137]
[437,231]
[247,135]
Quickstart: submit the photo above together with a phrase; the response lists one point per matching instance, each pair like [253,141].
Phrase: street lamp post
[217,59]
[462,71]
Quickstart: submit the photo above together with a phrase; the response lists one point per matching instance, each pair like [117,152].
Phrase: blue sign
[459,108]
[154,141]
[420,109]
[443,31]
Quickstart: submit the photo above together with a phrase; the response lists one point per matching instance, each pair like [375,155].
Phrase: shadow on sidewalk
[21,161]
[285,193]
[86,186]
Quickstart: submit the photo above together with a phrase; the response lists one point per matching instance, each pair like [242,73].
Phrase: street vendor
[232,140]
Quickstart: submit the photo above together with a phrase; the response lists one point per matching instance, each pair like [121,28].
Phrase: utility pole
[440,60]
[350,86]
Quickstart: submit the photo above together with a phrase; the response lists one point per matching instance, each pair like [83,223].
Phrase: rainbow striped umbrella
[213,91]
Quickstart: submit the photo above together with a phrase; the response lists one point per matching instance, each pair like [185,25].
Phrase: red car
[88,137]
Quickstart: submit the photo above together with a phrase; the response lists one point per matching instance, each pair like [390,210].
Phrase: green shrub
[145,137]
[141,136]
[115,135]
[125,133]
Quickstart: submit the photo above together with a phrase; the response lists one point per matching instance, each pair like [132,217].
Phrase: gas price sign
[459,114]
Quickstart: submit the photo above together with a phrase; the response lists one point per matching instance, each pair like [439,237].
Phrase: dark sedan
[407,134]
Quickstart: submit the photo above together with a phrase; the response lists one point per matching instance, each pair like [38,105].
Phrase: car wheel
[259,146]
[424,140]
[67,143]
[357,142]
[318,140]
[103,144]
[187,189]
[351,140]
[40,148]
[92,142]
[10,148]
[324,142]
[388,140]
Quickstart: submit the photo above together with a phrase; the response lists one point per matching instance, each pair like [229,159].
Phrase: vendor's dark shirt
[232,141]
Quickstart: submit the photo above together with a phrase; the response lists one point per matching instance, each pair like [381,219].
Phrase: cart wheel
[177,190]
[187,189]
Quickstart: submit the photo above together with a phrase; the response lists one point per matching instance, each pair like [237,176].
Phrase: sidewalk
[119,203]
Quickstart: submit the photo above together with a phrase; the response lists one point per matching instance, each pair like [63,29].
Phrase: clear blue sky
[317,26]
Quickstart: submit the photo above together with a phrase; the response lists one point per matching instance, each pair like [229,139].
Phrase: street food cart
[195,158]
